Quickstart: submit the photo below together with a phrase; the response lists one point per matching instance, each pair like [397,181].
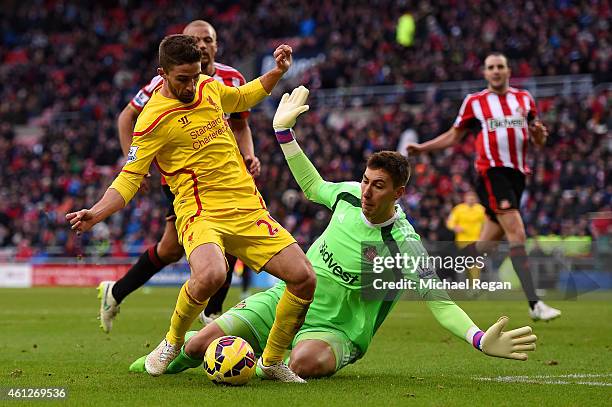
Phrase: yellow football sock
[186,311]
[290,315]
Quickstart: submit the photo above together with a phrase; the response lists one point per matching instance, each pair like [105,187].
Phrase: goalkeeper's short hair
[395,164]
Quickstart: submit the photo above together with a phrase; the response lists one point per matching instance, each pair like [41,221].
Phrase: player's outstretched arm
[85,219]
[241,98]
[308,178]
[444,140]
[283,58]
[494,342]
[289,108]
[124,187]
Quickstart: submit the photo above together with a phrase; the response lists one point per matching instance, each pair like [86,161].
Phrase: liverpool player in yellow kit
[182,131]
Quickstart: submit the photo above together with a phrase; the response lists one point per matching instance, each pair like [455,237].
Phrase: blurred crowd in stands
[68,69]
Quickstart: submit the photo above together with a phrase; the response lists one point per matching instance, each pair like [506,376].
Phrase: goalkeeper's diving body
[341,323]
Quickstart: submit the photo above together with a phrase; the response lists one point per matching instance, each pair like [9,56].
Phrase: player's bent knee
[309,365]
[308,276]
[197,345]
[208,270]
[208,277]
[303,280]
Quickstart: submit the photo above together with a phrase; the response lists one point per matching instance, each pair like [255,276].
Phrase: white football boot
[108,306]
[279,371]
[158,360]
[543,312]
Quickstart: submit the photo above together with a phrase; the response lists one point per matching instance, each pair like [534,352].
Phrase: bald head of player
[206,38]
[383,183]
[497,72]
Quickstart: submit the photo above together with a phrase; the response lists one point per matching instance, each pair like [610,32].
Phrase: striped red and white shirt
[223,73]
[504,120]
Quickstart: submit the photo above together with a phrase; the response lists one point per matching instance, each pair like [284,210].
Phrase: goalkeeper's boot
[108,306]
[157,361]
[543,312]
[137,366]
[278,371]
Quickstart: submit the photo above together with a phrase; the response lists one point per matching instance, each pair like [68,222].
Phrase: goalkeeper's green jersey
[338,258]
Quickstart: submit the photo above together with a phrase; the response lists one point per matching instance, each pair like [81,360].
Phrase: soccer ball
[229,360]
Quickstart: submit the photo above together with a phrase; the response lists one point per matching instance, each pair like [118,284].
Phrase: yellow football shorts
[252,235]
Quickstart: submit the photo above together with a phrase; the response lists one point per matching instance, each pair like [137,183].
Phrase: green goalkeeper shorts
[252,319]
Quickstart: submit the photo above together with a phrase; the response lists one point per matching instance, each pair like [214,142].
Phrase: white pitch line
[546,379]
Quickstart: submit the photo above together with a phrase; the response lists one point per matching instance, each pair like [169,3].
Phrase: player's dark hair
[178,49]
[395,164]
[497,54]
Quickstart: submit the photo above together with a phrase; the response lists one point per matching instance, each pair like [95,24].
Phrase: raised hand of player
[290,107]
[81,221]
[283,58]
[510,344]
[253,165]
[538,132]
[413,149]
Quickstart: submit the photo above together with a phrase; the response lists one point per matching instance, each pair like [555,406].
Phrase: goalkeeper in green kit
[342,321]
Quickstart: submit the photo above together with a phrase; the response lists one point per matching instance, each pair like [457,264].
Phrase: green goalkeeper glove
[509,345]
[289,108]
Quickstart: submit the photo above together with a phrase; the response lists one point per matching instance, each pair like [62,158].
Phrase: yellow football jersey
[470,218]
[194,148]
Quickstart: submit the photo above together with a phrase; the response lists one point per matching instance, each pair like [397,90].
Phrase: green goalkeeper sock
[183,362]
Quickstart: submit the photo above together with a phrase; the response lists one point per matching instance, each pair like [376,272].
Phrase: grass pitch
[49,337]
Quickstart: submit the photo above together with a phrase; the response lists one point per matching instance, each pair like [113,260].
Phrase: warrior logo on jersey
[184,121]
[131,155]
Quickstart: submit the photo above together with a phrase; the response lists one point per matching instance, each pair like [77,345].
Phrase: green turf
[50,337]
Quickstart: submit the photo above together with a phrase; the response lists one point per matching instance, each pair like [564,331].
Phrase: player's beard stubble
[185,97]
